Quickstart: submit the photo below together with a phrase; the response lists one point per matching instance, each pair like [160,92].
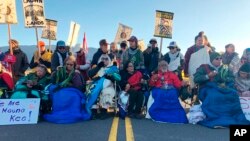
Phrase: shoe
[139,116]
[131,115]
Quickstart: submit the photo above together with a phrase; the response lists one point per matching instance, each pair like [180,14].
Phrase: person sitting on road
[163,104]
[242,80]
[103,77]
[216,89]
[131,84]
[6,81]
[31,85]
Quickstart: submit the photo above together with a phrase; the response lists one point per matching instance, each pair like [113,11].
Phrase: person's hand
[101,64]
[212,74]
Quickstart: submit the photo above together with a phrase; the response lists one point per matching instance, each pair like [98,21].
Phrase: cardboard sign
[163,24]
[123,33]
[50,30]
[73,33]
[245,105]
[8,12]
[34,13]
[19,111]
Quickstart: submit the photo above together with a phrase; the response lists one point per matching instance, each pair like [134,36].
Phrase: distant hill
[30,49]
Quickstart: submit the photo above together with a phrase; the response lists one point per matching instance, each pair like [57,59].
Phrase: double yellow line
[114,128]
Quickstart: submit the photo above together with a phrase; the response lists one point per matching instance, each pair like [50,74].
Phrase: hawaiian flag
[84,44]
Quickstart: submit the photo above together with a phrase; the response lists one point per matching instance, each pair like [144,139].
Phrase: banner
[50,30]
[19,111]
[245,105]
[73,34]
[8,12]
[123,33]
[141,45]
[34,13]
[163,24]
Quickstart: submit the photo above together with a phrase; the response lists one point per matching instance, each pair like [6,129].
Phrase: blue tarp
[221,106]
[166,106]
[67,106]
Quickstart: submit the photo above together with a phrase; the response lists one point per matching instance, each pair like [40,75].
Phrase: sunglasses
[171,48]
[105,59]
[69,64]
[61,47]
[219,58]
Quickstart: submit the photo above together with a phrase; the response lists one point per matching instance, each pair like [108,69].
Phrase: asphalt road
[112,129]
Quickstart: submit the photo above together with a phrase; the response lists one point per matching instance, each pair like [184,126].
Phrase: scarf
[63,78]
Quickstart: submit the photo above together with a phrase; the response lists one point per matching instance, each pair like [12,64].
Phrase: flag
[8,12]
[73,34]
[84,44]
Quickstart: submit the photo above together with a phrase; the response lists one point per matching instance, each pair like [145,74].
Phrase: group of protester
[77,90]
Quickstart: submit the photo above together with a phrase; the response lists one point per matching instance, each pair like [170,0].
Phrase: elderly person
[216,83]
[163,104]
[103,77]
[133,54]
[81,63]
[59,55]
[242,80]
[246,56]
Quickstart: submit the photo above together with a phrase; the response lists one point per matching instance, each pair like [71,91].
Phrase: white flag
[8,12]
[34,13]
[123,33]
[50,30]
[73,34]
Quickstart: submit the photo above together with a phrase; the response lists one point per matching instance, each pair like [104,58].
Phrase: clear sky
[223,21]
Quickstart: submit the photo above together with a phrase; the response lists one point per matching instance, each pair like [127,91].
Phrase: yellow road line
[113,131]
[129,130]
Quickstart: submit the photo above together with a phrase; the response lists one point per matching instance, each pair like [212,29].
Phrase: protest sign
[8,12]
[73,34]
[19,111]
[50,30]
[34,13]
[123,33]
[245,105]
[163,24]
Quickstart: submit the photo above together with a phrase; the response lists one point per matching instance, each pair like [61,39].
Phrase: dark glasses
[219,58]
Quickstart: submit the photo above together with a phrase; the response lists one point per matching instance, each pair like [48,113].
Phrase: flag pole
[37,40]
[9,34]
[160,47]
[49,45]
[73,32]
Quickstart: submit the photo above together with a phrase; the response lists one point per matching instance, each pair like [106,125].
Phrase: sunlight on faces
[244,75]
[132,44]
[200,41]
[173,49]
[40,72]
[230,49]
[130,68]
[104,48]
[163,66]
[217,62]
[113,46]
[105,60]
[62,49]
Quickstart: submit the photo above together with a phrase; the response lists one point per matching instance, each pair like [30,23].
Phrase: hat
[123,44]
[133,38]
[60,43]
[41,44]
[245,68]
[103,42]
[173,44]
[229,45]
[153,40]
[213,56]
[14,43]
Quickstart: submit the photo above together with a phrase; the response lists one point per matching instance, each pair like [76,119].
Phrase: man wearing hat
[133,54]
[21,64]
[151,56]
[44,57]
[174,59]
[59,55]
[216,92]
[102,50]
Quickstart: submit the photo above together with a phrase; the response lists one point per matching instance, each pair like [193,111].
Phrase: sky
[223,21]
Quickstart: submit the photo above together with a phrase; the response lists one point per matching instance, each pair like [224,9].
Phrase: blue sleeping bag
[67,105]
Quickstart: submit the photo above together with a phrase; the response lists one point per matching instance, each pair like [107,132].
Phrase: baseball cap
[60,43]
[132,38]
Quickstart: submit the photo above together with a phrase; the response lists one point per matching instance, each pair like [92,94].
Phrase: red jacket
[169,78]
[135,80]
[7,79]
